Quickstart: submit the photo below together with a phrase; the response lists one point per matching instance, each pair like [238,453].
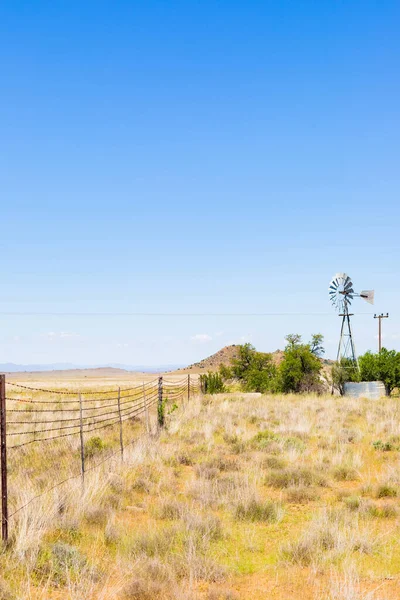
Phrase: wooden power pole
[380,317]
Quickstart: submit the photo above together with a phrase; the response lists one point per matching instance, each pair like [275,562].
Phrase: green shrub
[264,439]
[58,563]
[353,503]
[211,383]
[383,446]
[93,446]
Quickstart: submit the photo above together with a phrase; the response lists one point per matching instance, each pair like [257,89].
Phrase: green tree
[383,366]
[244,361]
[316,346]
[300,368]
[255,370]
[293,340]
[389,369]
[369,367]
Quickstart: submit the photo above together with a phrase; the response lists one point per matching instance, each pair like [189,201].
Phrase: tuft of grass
[301,494]
[273,462]
[222,594]
[5,591]
[353,503]
[329,536]
[386,491]
[154,543]
[345,473]
[181,458]
[170,509]
[198,567]
[59,563]
[112,534]
[223,464]
[97,516]
[384,511]
[145,589]
[285,478]
[203,470]
[270,512]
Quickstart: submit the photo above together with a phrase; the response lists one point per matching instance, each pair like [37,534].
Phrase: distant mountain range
[14,368]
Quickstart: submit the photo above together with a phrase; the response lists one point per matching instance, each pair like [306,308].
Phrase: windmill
[341,294]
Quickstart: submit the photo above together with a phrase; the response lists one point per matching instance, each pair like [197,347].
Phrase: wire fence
[51,436]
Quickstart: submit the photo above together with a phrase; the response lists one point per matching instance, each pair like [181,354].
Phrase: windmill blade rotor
[341,292]
[339,288]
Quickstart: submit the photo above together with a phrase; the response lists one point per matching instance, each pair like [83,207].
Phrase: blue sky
[195,157]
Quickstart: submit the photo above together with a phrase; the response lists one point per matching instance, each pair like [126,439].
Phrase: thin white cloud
[68,334]
[60,335]
[201,338]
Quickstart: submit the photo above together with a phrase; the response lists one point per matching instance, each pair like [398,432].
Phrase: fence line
[26,422]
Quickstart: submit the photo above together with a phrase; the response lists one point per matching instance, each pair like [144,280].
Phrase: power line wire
[161,314]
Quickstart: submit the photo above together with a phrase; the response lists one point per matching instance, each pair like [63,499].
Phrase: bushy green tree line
[380,366]
[298,371]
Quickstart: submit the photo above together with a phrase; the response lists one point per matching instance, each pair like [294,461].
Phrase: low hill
[213,362]
[222,357]
[70,374]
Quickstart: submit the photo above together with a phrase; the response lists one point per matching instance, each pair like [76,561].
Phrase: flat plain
[240,496]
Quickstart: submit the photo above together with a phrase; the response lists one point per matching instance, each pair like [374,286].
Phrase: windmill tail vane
[368,296]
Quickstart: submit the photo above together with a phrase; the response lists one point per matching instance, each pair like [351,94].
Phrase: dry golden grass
[240,497]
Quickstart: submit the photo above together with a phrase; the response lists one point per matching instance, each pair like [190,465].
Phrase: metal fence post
[160,407]
[3,435]
[81,436]
[121,439]
[146,409]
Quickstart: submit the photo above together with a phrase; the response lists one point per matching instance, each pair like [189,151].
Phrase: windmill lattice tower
[341,293]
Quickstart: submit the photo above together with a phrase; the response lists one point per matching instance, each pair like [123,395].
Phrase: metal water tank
[365,389]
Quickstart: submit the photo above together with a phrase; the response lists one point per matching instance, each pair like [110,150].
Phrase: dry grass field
[241,496]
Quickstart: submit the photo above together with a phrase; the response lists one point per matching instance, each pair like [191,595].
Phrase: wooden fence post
[3,435]
[121,439]
[188,384]
[160,406]
[81,436]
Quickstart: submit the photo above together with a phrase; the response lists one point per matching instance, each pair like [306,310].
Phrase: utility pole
[380,317]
